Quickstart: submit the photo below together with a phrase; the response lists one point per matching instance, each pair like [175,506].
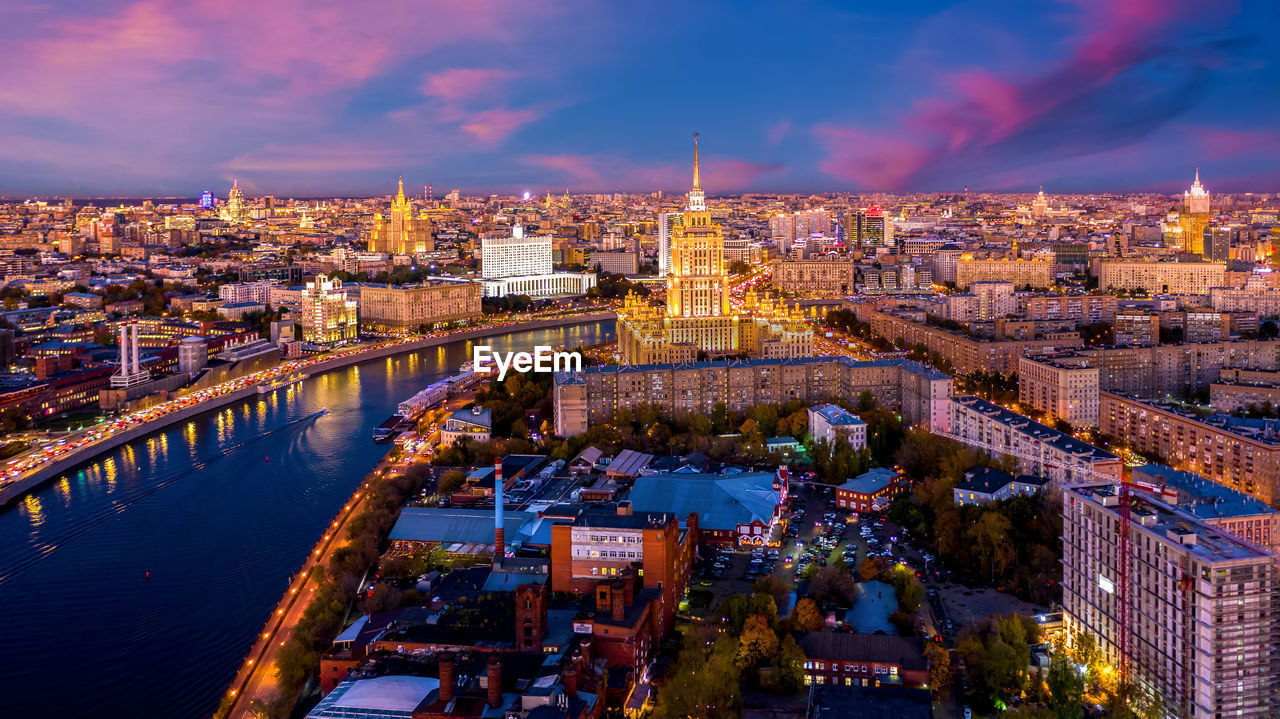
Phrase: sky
[138,98]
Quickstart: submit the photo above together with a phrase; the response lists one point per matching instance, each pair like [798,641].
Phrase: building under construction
[1192,617]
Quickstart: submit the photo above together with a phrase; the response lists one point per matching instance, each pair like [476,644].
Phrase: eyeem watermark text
[542,359]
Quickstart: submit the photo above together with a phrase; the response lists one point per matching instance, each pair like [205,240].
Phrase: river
[220,510]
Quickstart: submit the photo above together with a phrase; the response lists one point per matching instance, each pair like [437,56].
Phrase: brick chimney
[624,508]
[584,645]
[570,679]
[446,677]
[493,667]
[628,586]
[499,537]
[617,592]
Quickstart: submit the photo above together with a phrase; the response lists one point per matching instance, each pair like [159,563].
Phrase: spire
[697,175]
[400,190]
[1197,174]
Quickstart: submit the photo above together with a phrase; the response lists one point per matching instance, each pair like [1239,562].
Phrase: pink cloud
[495,126]
[463,83]
[974,114]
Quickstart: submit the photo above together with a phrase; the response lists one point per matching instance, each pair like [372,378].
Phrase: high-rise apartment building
[328,316]
[1203,607]
[1061,386]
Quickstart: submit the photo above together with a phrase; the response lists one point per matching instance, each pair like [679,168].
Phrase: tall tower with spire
[1040,205]
[400,233]
[698,318]
[1195,217]
[235,210]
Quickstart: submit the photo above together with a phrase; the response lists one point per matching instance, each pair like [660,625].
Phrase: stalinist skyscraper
[698,320]
[400,233]
[1195,216]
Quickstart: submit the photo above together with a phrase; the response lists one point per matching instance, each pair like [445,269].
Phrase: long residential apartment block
[1203,615]
[1040,450]
[967,354]
[592,396]
[1243,454]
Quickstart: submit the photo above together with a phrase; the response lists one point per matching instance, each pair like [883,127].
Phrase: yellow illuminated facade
[400,233]
[697,317]
[1195,217]
[328,316]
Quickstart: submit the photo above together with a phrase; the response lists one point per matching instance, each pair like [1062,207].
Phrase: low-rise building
[870,491]
[831,423]
[865,659]
[733,510]
[984,485]
[475,424]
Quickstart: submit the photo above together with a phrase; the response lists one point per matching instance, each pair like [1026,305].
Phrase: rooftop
[836,415]
[1173,525]
[909,365]
[1035,430]
[871,481]
[1199,496]
[720,501]
[989,480]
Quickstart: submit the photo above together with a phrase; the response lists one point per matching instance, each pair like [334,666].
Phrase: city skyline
[154,98]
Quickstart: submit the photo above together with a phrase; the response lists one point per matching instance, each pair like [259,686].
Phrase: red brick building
[598,545]
[864,659]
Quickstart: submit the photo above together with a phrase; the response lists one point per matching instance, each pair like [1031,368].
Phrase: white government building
[519,265]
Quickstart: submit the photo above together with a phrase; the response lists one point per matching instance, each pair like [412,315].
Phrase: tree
[834,583]
[757,643]
[939,664]
[990,536]
[771,586]
[451,482]
[906,587]
[1066,688]
[787,676]
[866,401]
[703,681]
[870,569]
[740,607]
[806,616]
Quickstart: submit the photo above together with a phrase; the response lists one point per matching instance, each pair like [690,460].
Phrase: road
[257,677]
[18,473]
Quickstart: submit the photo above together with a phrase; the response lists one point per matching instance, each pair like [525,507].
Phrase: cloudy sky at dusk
[319,97]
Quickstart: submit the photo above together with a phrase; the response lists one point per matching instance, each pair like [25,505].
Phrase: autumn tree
[807,616]
[757,643]
[939,664]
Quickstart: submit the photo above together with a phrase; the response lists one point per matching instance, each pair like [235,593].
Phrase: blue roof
[871,481]
[836,415]
[451,525]
[1202,497]
[721,501]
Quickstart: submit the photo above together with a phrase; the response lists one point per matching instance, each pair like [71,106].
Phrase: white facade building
[832,423]
[520,265]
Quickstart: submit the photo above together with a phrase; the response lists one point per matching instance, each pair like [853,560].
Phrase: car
[705,583]
[968,713]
